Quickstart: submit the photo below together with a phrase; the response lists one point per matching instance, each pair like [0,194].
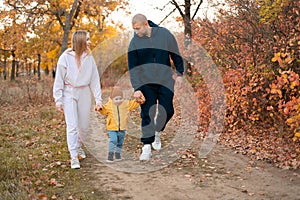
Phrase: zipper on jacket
[119,120]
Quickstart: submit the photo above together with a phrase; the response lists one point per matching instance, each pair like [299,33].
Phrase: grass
[34,160]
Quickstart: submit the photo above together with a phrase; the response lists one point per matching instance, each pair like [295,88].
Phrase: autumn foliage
[255,45]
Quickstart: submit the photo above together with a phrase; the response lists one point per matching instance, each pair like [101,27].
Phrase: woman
[76,78]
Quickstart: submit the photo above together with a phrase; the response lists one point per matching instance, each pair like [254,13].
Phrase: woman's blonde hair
[79,40]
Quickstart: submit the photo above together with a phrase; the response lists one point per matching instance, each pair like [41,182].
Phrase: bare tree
[185,12]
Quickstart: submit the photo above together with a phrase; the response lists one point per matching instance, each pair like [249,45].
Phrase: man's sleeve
[175,55]
[133,67]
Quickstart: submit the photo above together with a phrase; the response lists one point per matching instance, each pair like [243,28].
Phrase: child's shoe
[118,156]
[110,157]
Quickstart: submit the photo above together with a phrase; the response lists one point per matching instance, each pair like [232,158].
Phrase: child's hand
[98,107]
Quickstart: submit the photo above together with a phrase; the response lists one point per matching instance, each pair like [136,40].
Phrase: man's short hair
[139,18]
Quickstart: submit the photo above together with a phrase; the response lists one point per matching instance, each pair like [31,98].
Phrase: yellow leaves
[112,5]
[65,4]
[283,59]
[297,134]
[290,120]
[275,90]
[294,84]
[276,57]
[52,54]
[287,81]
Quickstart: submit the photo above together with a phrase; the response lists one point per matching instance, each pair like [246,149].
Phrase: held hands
[59,108]
[179,81]
[139,97]
[98,107]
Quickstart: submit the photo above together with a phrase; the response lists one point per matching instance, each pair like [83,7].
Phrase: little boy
[117,111]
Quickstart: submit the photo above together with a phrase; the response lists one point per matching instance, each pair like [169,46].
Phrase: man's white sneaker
[75,163]
[146,152]
[81,153]
[157,143]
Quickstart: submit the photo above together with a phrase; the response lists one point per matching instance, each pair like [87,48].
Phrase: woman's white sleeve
[58,86]
[95,83]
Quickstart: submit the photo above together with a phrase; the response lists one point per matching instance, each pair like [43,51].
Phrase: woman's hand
[59,108]
[98,107]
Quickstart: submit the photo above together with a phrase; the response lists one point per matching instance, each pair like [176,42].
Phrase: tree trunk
[187,23]
[39,67]
[67,26]
[47,70]
[4,70]
[34,69]
[17,68]
[13,67]
[64,44]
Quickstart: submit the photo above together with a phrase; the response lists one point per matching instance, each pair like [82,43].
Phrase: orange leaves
[294,80]
[267,144]
[276,57]
[283,59]
[261,75]
[284,91]
[287,81]
[54,182]
[275,90]
[255,101]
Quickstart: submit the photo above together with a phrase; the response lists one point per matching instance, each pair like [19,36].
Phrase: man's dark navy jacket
[149,58]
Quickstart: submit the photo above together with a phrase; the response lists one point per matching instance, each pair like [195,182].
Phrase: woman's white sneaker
[75,163]
[81,153]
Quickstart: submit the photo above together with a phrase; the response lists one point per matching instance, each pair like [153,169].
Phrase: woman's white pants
[77,105]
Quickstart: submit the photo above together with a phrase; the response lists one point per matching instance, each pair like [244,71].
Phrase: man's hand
[139,97]
[179,81]
[59,108]
[98,107]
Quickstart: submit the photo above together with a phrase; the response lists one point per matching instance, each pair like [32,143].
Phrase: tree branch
[57,15]
[161,9]
[73,10]
[178,8]
[167,16]
[201,1]
[76,13]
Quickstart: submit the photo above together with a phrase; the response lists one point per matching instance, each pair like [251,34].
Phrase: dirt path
[222,175]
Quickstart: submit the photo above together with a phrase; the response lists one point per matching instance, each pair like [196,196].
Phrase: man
[151,76]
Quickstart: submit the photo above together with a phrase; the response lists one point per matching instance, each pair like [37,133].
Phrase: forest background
[254,44]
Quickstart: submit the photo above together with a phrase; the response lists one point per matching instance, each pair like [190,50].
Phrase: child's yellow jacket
[117,116]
